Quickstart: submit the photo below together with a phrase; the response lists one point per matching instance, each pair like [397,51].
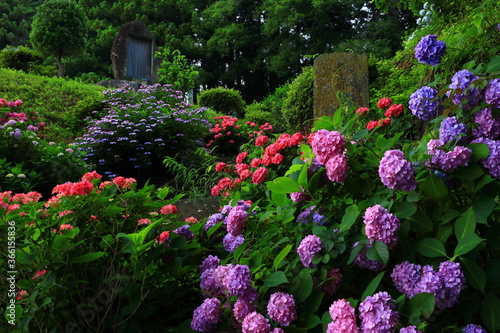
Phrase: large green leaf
[465,224]
[87,257]
[283,253]
[283,185]
[474,274]
[378,252]
[424,302]
[372,286]
[490,308]
[350,216]
[467,244]
[275,279]
[434,187]
[405,209]
[301,286]
[431,247]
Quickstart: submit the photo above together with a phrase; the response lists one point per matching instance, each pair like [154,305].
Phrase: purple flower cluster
[396,172]
[487,127]
[281,308]
[409,329]
[451,130]
[430,50]
[492,93]
[235,220]
[344,319]
[462,81]
[336,168]
[492,162]
[316,218]
[308,247]
[206,316]
[231,242]
[446,283]
[333,281]
[377,313]
[213,220]
[241,308]
[382,226]
[299,196]
[447,161]
[328,146]
[424,103]
[473,328]
[184,232]
[254,322]
[238,282]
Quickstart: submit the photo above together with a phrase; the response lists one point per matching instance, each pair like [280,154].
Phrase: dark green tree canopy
[59,29]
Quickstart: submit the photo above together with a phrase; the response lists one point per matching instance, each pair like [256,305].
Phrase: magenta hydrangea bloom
[396,172]
[487,127]
[452,281]
[241,308]
[472,328]
[235,220]
[206,315]
[308,247]
[336,168]
[382,226]
[281,308]
[277,330]
[424,103]
[451,130]
[344,319]
[430,50]
[299,196]
[409,329]
[231,242]
[462,81]
[362,260]
[326,144]
[378,314]
[254,322]
[492,93]
[492,162]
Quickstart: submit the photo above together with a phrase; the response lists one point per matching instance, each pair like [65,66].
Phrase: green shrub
[298,107]
[228,101]
[274,103]
[20,58]
[259,114]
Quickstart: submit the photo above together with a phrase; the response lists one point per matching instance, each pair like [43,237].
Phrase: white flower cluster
[425,15]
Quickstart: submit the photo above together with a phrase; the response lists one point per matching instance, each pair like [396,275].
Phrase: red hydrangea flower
[384,102]
[168,209]
[394,110]
[259,175]
[362,111]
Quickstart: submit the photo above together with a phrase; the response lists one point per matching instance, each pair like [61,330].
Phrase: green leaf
[214,228]
[373,285]
[351,214]
[421,222]
[162,193]
[470,172]
[483,208]
[378,252]
[360,135]
[474,274]
[490,308]
[431,248]
[434,187]
[465,224]
[310,320]
[467,244]
[424,302]
[275,279]
[479,151]
[301,286]
[283,253]
[493,65]
[88,257]
[405,209]
[283,185]
[112,210]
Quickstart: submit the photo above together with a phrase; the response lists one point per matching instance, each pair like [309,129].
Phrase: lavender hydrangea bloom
[412,279]
[238,282]
[492,162]
[255,323]
[377,313]
[362,260]
[487,127]
[472,328]
[231,242]
[430,50]
[184,232]
[235,220]
[492,93]
[424,103]
[462,80]
[241,308]
[206,315]
[281,308]
[213,220]
[451,130]
[308,247]
[317,218]
[396,172]
[277,330]
[452,280]
[381,226]
[447,161]
[209,284]
[344,319]
[409,329]
[209,262]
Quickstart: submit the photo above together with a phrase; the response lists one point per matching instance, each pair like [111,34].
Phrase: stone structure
[132,54]
[345,72]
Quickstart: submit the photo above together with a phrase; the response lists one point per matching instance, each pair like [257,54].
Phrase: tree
[59,29]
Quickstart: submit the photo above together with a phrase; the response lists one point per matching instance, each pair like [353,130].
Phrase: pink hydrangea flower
[308,247]
[281,308]
[396,172]
[326,144]
[254,322]
[344,319]
[336,168]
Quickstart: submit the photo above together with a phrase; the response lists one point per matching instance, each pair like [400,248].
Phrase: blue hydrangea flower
[424,103]
[451,130]
[430,50]
[492,93]
[462,81]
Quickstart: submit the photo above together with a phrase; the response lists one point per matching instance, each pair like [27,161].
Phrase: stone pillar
[333,72]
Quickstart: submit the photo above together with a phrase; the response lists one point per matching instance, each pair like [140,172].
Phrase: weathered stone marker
[346,72]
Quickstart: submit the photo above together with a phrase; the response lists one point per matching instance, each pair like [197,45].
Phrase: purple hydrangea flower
[336,168]
[255,323]
[281,308]
[452,281]
[409,329]
[492,162]
[235,220]
[472,328]
[241,308]
[492,93]
[231,242]
[451,130]
[424,103]
[344,319]
[277,330]
[377,313]
[412,279]
[209,262]
[317,218]
[462,80]
[213,220]
[308,247]
[209,284]
[299,196]
[206,315]
[333,281]
[447,161]
[396,172]
[326,144]
[184,232]
[362,260]
[487,127]
[238,282]
[430,50]
[381,226]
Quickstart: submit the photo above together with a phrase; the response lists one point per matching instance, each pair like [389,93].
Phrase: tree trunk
[60,65]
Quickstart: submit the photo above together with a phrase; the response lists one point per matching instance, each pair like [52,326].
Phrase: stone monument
[132,54]
[345,72]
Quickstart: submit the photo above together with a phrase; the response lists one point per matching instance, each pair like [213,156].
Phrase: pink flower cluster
[396,172]
[10,104]
[378,314]
[227,127]
[11,202]
[381,226]
[308,247]
[344,319]
[281,308]
[447,161]
[328,146]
